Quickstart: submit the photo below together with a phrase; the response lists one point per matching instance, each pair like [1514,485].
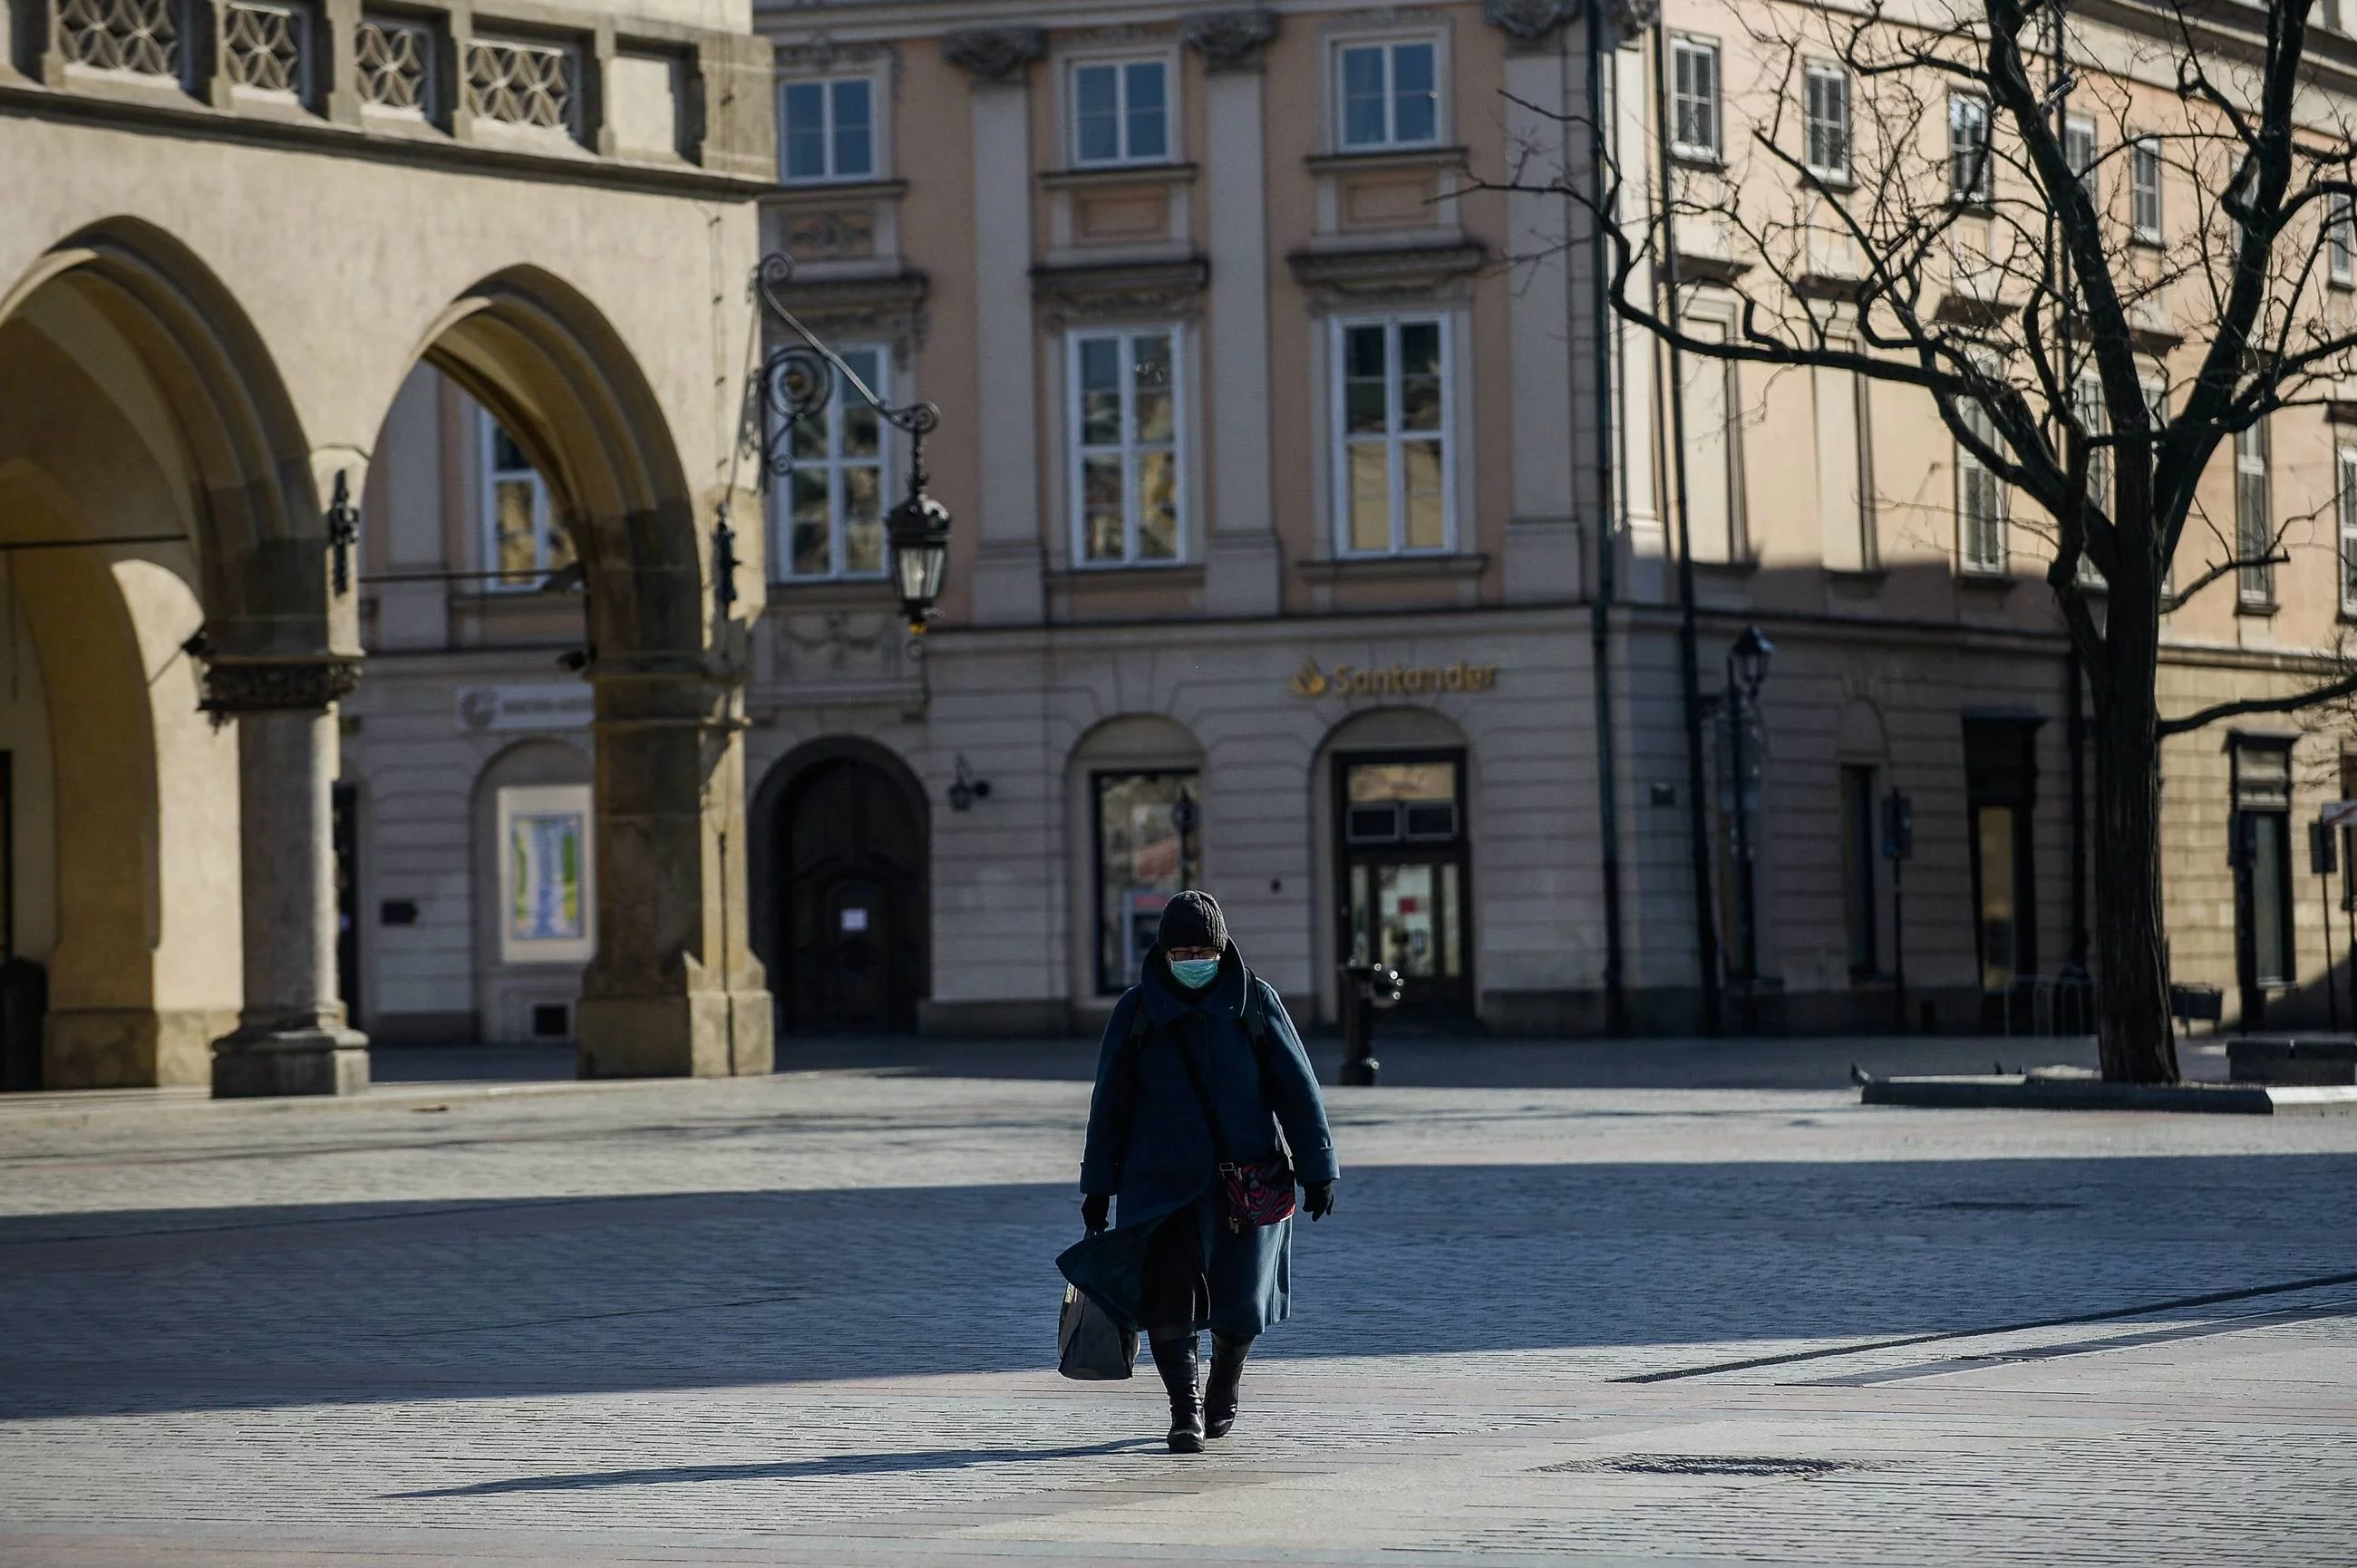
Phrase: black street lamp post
[1747,669]
[792,385]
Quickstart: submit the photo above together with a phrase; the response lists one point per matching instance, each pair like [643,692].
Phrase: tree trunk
[2135,1033]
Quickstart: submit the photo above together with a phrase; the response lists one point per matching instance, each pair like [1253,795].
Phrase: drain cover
[1704,1464]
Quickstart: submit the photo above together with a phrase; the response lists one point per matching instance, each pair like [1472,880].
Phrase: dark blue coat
[1149,1145]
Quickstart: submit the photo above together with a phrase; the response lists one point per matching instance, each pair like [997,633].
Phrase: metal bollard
[1366,987]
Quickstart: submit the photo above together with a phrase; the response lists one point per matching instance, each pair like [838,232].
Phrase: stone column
[292,1035]
[675,991]
[1007,586]
[1241,561]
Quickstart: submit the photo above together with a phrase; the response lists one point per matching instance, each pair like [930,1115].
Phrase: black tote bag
[1090,1346]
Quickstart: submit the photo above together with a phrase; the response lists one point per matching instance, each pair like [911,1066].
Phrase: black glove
[1095,1209]
[1317,1197]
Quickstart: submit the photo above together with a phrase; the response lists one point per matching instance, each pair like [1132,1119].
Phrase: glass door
[1402,854]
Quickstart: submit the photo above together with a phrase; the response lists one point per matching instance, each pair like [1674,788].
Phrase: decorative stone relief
[1164,291]
[838,646]
[836,232]
[1530,23]
[994,54]
[267,685]
[1231,40]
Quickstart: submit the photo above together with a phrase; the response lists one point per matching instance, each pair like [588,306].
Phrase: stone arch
[1143,758]
[884,851]
[1860,736]
[674,988]
[165,478]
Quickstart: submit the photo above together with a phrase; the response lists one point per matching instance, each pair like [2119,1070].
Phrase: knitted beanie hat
[1192,919]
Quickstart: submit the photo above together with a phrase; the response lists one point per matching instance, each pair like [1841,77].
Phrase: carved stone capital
[994,54]
[1231,40]
[1532,24]
[1630,18]
[277,685]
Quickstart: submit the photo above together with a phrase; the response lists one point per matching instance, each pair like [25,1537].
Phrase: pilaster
[1008,563]
[1243,564]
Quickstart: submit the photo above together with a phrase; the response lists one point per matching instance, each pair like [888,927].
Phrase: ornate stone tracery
[522,84]
[140,37]
[235,686]
[392,59]
[264,46]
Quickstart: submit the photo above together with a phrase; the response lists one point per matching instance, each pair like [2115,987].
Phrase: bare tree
[2019,213]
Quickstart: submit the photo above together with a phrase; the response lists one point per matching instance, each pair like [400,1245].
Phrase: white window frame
[1390,45]
[1972,472]
[2144,182]
[1984,191]
[1816,74]
[487,430]
[1394,438]
[836,464]
[1179,446]
[1119,65]
[828,86]
[2340,241]
[2078,128]
[2254,586]
[1683,47]
[2344,466]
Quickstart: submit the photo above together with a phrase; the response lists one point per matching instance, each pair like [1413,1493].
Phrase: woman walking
[1198,1067]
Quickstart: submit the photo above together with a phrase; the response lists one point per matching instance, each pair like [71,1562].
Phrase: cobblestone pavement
[807,1320]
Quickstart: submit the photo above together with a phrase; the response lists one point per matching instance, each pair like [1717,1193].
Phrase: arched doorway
[848,917]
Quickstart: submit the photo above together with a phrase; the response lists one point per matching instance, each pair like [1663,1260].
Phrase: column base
[704,1034]
[249,1065]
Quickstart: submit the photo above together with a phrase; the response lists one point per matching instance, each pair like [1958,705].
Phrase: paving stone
[808,1319]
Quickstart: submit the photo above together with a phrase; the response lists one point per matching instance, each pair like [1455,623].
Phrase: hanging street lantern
[793,385]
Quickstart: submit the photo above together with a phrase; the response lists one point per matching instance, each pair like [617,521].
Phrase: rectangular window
[826,517]
[1390,95]
[2156,409]
[1393,465]
[2079,151]
[521,540]
[2340,241]
[1125,423]
[1827,123]
[1980,498]
[1147,848]
[1970,178]
[1694,98]
[2095,417]
[2255,533]
[827,130]
[2345,467]
[1857,867]
[2144,190]
[1121,112]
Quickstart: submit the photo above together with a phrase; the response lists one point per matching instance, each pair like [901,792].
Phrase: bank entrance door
[1403,898]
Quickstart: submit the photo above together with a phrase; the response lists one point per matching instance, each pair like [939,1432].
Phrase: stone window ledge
[1118,174]
[1390,568]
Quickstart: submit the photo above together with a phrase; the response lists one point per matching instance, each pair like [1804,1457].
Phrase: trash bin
[23,1003]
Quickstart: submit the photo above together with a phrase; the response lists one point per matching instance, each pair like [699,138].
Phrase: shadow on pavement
[1641,1262]
[787,1470]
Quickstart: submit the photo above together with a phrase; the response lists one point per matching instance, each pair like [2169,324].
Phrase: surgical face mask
[1194,973]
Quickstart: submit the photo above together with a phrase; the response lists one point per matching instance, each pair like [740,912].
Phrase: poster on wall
[547,881]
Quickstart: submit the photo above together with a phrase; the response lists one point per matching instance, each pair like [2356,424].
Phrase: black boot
[1219,1389]
[1175,1359]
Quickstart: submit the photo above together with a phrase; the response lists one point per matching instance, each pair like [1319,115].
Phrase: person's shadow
[783,1470]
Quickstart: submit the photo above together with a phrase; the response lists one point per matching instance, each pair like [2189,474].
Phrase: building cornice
[197,121]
